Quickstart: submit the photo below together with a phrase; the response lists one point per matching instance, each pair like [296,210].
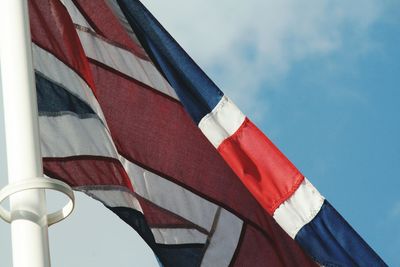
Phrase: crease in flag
[117,99]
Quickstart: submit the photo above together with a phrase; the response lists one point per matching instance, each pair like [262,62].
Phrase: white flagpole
[29,227]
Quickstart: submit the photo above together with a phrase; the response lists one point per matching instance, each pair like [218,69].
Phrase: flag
[127,117]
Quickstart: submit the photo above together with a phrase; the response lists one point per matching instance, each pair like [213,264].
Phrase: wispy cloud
[248,43]
[395,212]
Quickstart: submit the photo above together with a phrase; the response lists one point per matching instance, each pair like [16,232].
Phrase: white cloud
[246,43]
[396,210]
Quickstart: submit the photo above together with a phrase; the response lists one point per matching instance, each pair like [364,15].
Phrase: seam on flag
[129,78]
[82,28]
[126,180]
[216,127]
[298,180]
[87,18]
[124,61]
[299,209]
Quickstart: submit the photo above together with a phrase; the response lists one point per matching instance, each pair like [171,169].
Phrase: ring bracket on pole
[39,183]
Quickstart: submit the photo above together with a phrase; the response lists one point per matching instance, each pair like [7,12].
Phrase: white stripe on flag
[299,209]
[68,135]
[57,71]
[124,62]
[224,240]
[222,122]
[170,196]
[176,236]
[114,6]
[112,196]
[75,14]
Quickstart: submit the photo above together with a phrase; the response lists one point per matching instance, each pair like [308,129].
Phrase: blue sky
[320,78]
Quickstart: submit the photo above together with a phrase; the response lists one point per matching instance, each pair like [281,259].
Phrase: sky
[320,78]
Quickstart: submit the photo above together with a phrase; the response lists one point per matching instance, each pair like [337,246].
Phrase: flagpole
[29,227]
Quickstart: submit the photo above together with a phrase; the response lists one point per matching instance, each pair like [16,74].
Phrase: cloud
[395,212]
[247,44]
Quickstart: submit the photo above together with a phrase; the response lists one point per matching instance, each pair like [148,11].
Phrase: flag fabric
[117,98]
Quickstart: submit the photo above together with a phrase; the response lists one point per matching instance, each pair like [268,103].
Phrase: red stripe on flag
[257,251]
[106,24]
[87,170]
[265,171]
[53,30]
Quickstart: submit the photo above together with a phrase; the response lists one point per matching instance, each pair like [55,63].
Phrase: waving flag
[117,99]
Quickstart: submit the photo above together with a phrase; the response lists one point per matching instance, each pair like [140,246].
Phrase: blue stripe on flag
[197,92]
[169,255]
[137,221]
[331,241]
[182,255]
[54,100]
